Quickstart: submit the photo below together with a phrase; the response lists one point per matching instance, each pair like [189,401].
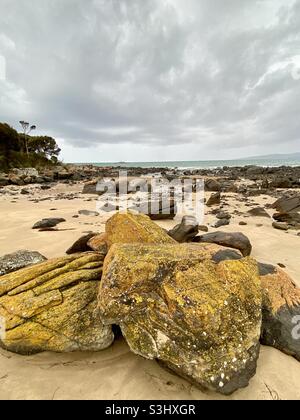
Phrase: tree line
[21,150]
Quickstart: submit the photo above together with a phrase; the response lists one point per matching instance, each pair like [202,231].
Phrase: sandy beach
[116,373]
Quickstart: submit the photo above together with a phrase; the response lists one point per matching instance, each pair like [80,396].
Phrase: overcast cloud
[154,80]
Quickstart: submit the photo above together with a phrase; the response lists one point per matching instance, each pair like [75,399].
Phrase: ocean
[204,164]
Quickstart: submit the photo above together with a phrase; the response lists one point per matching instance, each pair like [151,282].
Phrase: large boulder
[51,307]
[131,228]
[236,240]
[281,311]
[20,259]
[175,303]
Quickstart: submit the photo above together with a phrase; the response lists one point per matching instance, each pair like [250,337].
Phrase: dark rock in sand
[221,222]
[81,245]
[259,212]
[236,240]
[223,215]
[288,204]
[109,208]
[48,223]
[212,185]
[203,228]
[214,200]
[158,210]
[88,213]
[280,226]
[186,231]
[292,219]
[20,259]
[91,188]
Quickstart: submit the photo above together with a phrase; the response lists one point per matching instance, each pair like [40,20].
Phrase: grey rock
[20,259]
[236,240]
[221,222]
[186,231]
[48,223]
[88,213]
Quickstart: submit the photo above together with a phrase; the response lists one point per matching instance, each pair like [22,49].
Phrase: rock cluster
[201,309]
[288,212]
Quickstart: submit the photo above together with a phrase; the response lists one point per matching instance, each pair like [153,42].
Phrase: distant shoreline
[205,164]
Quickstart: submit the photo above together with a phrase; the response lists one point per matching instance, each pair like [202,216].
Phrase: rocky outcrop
[281,311]
[236,240]
[20,259]
[174,303]
[132,228]
[291,219]
[52,306]
[288,210]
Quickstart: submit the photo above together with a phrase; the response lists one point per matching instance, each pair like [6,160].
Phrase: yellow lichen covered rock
[195,307]
[281,311]
[135,228]
[51,306]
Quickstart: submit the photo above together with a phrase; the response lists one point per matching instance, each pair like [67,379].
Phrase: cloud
[154,78]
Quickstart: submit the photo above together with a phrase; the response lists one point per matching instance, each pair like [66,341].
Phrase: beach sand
[116,373]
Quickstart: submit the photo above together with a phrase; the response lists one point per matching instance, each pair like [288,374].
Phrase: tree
[18,150]
[9,142]
[27,130]
[45,146]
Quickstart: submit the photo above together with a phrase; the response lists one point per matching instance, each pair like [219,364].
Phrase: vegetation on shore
[19,151]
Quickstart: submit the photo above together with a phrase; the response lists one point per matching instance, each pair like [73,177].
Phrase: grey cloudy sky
[146,80]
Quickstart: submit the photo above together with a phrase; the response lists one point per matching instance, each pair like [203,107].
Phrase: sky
[153,80]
